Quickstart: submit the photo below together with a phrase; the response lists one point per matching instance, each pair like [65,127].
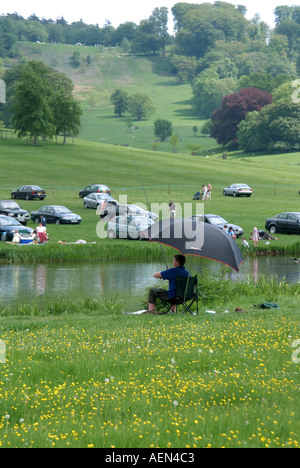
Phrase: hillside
[110,70]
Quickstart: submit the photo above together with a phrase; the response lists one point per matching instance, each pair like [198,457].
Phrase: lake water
[123,280]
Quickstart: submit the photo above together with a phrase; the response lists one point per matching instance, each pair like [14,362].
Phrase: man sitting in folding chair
[171,298]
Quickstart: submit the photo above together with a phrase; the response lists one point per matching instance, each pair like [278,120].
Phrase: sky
[120,11]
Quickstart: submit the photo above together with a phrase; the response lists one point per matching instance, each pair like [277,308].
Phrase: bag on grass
[267,305]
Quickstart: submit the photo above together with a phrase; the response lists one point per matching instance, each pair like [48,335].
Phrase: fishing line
[148,204]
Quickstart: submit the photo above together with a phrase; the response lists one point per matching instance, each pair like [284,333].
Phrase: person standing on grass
[170,275]
[204,192]
[172,209]
[209,189]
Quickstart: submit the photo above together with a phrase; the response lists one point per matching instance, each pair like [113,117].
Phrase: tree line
[214,48]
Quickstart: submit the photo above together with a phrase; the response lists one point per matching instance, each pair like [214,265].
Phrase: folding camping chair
[186,294]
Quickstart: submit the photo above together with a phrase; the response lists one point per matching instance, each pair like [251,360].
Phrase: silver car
[128,227]
[238,190]
[130,210]
[95,200]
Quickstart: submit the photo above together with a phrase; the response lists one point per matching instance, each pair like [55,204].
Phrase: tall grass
[106,250]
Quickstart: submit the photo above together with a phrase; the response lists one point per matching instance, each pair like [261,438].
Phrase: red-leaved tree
[234,109]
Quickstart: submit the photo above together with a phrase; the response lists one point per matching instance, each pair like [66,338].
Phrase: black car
[288,223]
[55,214]
[29,192]
[12,209]
[9,225]
[94,188]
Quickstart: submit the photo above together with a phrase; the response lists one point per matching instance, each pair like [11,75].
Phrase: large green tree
[162,129]
[140,106]
[42,103]
[275,128]
[120,100]
[66,114]
[32,113]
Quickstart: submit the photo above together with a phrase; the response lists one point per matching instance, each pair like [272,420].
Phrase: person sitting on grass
[41,232]
[16,238]
[170,275]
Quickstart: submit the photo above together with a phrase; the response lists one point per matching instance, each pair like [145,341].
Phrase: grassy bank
[214,292]
[108,250]
[101,379]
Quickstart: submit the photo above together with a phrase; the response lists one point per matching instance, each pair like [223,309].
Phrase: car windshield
[7,221]
[11,205]
[217,220]
[61,210]
[135,208]
[103,196]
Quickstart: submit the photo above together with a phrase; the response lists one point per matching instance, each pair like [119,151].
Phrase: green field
[79,373]
[63,170]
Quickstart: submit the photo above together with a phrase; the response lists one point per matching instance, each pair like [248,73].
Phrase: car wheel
[27,197]
[235,194]
[57,221]
[224,193]
[273,229]
[36,221]
[13,196]
[85,205]
[111,234]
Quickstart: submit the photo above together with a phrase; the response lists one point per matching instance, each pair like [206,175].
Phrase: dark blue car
[9,225]
[55,214]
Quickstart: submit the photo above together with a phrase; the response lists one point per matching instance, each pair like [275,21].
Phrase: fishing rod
[148,204]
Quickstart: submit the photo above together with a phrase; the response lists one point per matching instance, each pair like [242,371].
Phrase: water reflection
[126,280]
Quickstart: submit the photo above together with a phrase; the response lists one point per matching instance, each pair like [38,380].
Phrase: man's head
[179,260]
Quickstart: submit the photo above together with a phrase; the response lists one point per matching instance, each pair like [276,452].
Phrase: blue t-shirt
[171,276]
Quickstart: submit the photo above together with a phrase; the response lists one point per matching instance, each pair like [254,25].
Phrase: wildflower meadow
[224,380]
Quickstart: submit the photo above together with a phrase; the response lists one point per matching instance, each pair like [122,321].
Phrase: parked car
[95,200]
[55,214]
[288,223]
[9,225]
[219,222]
[94,188]
[238,190]
[130,210]
[128,227]
[12,209]
[29,192]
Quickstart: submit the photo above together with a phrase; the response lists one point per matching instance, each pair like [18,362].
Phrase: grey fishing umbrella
[197,238]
